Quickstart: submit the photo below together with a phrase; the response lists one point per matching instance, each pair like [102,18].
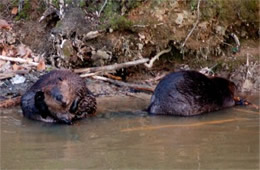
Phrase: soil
[137,32]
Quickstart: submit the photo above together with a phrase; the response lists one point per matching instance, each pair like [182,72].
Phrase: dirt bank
[201,35]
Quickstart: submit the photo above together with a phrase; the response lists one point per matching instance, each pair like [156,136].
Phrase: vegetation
[228,10]
[121,23]
[25,12]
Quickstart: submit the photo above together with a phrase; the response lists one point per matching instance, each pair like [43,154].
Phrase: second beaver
[59,96]
[188,93]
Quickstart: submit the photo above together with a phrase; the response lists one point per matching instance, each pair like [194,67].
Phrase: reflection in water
[123,138]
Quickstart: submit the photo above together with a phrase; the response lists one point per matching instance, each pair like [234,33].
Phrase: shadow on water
[122,136]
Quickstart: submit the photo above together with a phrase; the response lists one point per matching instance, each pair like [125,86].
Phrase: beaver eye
[56,94]
[59,98]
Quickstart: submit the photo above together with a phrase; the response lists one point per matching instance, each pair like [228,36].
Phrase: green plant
[24,13]
[55,3]
[119,22]
[82,3]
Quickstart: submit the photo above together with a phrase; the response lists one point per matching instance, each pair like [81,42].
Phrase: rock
[179,18]
[18,79]
[203,25]
[10,38]
[140,46]
[100,57]
[247,86]
[91,35]
[67,51]
[100,54]
[220,30]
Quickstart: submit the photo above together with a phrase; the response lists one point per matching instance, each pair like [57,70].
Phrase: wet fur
[59,96]
[188,93]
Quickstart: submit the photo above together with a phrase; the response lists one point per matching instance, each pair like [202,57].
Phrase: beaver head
[227,90]
[56,100]
[58,96]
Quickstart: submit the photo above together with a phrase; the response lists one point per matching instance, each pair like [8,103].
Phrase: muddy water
[122,136]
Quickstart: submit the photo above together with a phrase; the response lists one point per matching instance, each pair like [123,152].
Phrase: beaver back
[188,93]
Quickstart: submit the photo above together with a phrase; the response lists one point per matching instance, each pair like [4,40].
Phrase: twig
[124,84]
[6,75]
[140,26]
[90,74]
[102,8]
[17,59]
[236,39]
[156,78]
[111,67]
[157,57]
[20,5]
[195,25]
[10,102]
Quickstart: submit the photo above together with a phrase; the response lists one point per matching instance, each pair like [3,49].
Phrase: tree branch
[111,67]
[157,57]
[17,59]
[102,8]
[195,25]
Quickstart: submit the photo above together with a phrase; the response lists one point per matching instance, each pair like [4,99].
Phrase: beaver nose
[66,121]
[65,118]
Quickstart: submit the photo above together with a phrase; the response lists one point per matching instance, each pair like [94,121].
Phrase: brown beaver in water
[59,96]
[188,93]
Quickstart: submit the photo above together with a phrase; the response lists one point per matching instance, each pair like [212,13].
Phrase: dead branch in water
[124,84]
[17,59]
[111,67]
[195,25]
[10,102]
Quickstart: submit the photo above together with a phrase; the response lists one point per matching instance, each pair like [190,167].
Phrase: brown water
[123,137]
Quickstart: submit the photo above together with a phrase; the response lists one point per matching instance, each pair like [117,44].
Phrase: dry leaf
[4,24]
[14,11]
[29,59]
[2,63]
[4,52]
[16,67]
[21,50]
[41,66]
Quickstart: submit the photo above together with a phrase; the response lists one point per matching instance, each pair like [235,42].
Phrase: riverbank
[167,35]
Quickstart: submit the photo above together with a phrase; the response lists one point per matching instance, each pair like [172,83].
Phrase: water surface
[122,136]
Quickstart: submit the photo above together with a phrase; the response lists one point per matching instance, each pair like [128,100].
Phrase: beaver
[189,93]
[58,96]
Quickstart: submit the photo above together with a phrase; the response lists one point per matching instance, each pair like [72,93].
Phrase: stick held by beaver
[60,96]
[189,93]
